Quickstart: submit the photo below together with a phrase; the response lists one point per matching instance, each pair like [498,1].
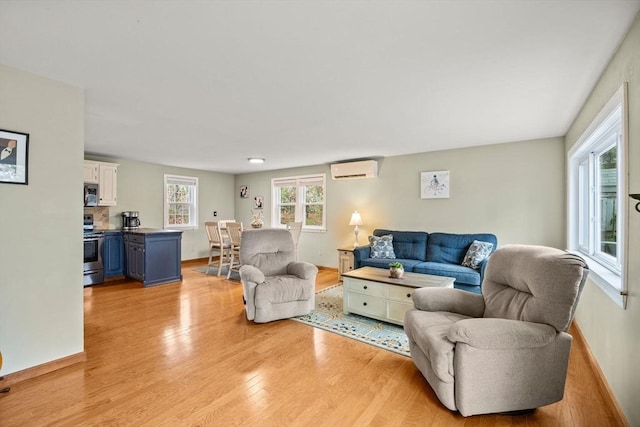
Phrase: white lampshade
[355,219]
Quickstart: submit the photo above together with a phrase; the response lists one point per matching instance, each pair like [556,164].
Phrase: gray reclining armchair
[507,349]
[274,285]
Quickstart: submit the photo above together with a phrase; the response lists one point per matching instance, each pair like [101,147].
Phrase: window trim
[187,180]
[613,283]
[299,182]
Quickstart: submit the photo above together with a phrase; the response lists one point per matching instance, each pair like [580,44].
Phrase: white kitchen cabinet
[107,180]
[90,172]
[108,185]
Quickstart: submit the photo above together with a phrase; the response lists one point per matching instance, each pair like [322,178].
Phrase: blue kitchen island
[153,256]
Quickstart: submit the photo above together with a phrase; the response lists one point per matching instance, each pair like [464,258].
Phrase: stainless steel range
[93,240]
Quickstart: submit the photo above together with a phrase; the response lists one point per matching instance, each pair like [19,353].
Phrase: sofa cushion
[477,252]
[462,274]
[451,248]
[408,264]
[475,289]
[382,247]
[408,244]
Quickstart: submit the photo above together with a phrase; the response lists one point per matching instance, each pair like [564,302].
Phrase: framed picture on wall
[258,202]
[434,185]
[14,150]
[244,191]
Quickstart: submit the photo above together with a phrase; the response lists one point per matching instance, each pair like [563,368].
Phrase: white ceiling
[206,84]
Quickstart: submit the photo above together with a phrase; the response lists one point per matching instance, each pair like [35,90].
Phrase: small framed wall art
[434,185]
[258,202]
[244,191]
[14,151]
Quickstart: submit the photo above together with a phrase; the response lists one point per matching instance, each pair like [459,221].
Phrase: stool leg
[210,257]
[220,260]
[230,263]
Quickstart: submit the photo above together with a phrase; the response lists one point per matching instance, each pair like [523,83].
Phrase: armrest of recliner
[303,270]
[501,334]
[482,267]
[447,299]
[250,277]
[249,273]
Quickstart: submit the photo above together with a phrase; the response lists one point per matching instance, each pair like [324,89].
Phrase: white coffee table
[370,292]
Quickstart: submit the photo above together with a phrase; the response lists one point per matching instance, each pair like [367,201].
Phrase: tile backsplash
[100,216]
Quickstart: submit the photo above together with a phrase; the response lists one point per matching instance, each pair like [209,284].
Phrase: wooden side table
[345,260]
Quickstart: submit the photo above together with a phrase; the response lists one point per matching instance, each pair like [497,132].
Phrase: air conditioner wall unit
[355,170]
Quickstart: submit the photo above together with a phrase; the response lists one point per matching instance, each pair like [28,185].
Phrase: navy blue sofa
[440,254]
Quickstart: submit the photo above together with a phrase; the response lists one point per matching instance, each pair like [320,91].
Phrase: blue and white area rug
[328,315]
[213,271]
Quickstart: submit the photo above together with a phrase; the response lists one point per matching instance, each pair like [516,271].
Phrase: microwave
[90,194]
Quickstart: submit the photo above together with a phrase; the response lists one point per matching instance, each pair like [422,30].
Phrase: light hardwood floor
[184,354]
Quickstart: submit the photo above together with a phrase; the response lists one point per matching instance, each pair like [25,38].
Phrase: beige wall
[613,333]
[140,188]
[41,306]
[508,189]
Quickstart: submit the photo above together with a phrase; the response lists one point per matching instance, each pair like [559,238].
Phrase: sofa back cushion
[407,244]
[451,248]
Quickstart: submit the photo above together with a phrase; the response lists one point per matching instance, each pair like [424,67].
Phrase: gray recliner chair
[507,349]
[274,285]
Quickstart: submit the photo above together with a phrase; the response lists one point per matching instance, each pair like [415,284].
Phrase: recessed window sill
[605,279]
[304,230]
[180,227]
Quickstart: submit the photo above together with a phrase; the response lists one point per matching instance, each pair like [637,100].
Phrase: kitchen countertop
[136,231]
[151,231]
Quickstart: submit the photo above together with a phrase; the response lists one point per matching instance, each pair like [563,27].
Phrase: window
[299,199]
[180,201]
[597,196]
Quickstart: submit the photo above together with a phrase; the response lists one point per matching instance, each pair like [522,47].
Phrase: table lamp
[355,220]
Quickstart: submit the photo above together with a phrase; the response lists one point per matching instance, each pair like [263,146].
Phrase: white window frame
[609,128]
[192,182]
[300,182]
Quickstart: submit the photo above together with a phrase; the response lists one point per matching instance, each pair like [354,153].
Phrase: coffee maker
[130,220]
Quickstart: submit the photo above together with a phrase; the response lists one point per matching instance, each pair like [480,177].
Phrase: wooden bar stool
[234,231]
[217,243]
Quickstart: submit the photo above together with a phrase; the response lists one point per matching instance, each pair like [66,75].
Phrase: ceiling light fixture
[256,160]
